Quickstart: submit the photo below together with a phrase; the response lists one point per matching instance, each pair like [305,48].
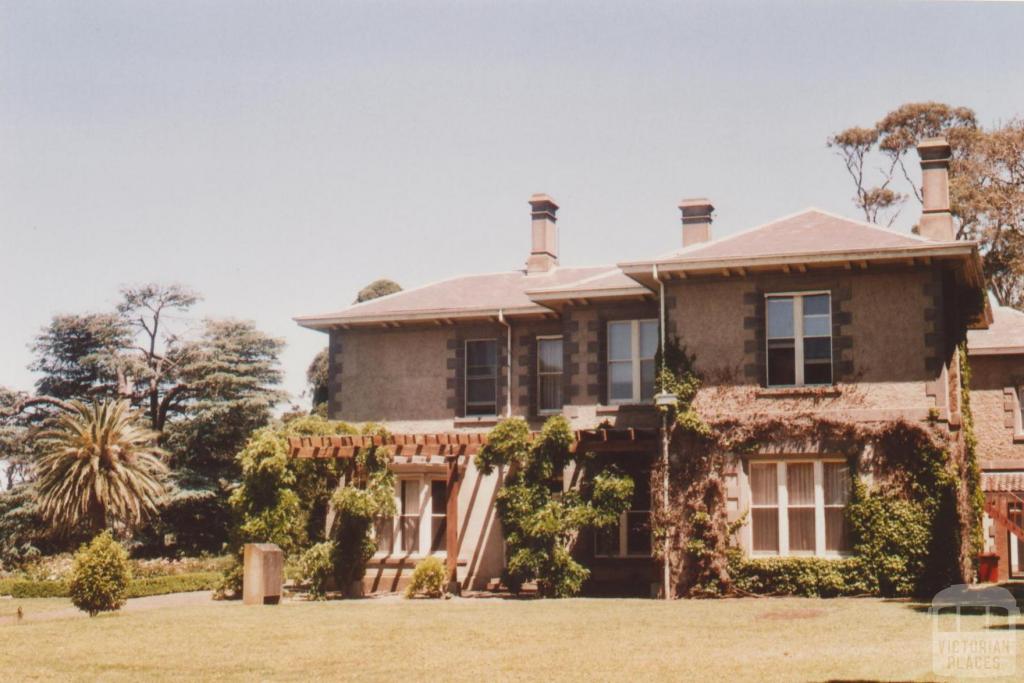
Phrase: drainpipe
[508,362]
[666,573]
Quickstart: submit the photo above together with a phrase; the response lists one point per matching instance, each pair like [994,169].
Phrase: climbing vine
[542,521]
[913,529]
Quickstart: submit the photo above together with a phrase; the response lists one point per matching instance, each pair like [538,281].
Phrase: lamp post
[664,401]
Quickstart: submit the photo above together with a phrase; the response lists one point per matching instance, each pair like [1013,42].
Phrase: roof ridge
[610,270]
[746,231]
[876,226]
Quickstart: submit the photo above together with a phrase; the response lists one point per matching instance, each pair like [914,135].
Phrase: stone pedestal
[263,574]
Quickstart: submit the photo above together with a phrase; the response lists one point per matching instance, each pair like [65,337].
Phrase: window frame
[782,505]
[798,339]
[635,359]
[561,374]
[466,378]
[623,530]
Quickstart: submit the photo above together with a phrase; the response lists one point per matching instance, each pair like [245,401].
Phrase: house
[997,389]
[809,314]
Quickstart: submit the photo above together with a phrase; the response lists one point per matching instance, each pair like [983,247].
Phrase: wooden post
[452,525]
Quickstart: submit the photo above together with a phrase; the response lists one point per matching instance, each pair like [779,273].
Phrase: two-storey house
[811,313]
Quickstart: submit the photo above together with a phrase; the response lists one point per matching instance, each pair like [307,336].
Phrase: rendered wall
[996,407]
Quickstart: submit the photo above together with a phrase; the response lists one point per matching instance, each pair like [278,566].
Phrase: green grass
[484,639]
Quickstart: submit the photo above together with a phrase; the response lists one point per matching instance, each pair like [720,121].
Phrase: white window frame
[561,373]
[798,337]
[782,504]
[466,378]
[424,516]
[635,359]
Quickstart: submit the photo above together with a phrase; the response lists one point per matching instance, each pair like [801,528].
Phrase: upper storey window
[799,339]
[632,345]
[549,374]
[482,377]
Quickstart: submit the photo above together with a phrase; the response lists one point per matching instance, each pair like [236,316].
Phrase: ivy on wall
[914,530]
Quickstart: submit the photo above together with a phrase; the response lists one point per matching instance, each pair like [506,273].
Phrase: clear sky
[279,156]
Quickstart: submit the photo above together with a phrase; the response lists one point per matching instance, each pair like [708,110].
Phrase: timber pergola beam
[460,444]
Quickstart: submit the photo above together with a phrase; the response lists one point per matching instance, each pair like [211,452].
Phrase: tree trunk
[99,518]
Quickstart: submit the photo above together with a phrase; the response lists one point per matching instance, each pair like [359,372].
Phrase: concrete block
[263,574]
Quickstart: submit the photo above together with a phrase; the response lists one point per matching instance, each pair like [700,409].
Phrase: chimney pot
[696,215]
[544,234]
[936,218]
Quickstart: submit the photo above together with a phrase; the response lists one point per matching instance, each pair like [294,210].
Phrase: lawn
[482,639]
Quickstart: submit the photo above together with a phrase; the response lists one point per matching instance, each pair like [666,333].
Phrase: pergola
[452,450]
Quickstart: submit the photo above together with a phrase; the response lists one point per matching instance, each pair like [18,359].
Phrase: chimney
[936,220]
[696,220]
[544,249]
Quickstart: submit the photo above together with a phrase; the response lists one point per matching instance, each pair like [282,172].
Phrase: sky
[278,156]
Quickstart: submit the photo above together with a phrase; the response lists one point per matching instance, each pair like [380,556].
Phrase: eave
[436,316]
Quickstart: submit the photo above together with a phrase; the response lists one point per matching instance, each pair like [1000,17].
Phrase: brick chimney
[696,220]
[544,248]
[936,219]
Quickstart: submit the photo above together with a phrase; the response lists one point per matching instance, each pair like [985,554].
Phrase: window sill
[1018,438]
[477,421]
[825,391]
[623,407]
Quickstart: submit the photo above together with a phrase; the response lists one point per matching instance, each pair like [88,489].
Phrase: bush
[99,581]
[429,578]
[176,583]
[138,588]
[891,537]
[317,567]
[813,577]
[26,588]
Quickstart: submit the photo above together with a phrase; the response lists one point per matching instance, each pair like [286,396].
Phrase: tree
[99,466]
[78,356]
[376,289]
[317,376]
[542,523]
[986,180]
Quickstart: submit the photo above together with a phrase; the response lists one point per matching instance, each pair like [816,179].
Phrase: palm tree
[100,465]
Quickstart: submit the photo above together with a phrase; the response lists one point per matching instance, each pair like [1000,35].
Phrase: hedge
[138,588]
[802,576]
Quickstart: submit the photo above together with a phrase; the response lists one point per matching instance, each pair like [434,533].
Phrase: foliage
[891,538]
[368,495]
[317,567]
[317,377]
[813,577]
[429,579]
[377,289]
[542,522]
[100,465]
[173,583]
[986,180]
[99,582]
[971,468]
[77,355]
[137,588]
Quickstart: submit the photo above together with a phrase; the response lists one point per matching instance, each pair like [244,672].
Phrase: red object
[988,567]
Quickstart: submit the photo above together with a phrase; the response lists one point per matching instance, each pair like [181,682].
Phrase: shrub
[891,538]
[317,567]
[27,588]
[428,579]
[99,581]
[813,577]
[175,583]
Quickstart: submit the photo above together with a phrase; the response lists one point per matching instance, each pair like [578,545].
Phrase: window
[632,536]
[632,345]
[798,508]
[549,374]
[407,533]
[482,377]
[438,515]
[1020,410]
[799,339]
